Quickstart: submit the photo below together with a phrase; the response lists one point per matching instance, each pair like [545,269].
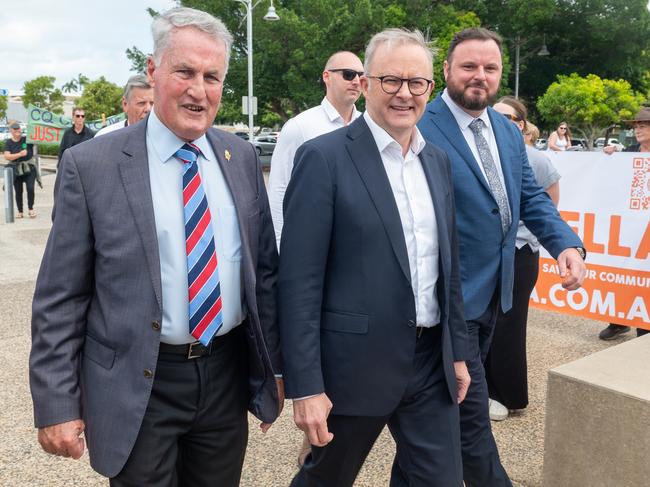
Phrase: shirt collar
[463,119]
[165,142]
[383,139]
[334,115]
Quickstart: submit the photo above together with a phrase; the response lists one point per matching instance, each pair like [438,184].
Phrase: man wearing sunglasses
[342,90]
[370,311]
[77,133]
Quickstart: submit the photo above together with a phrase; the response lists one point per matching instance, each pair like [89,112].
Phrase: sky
[67,37]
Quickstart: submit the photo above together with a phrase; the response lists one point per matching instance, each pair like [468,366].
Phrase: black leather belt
[421,330]
[189,350]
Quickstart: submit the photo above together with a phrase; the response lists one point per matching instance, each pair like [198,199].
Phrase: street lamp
[271,15]
[542,52]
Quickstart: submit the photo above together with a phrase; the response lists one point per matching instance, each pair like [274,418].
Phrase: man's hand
[310,415]
[572,269]
[23,153]
[280,385]
[462,380]
[63,439]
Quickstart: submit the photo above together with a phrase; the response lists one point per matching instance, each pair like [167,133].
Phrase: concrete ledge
[598,419]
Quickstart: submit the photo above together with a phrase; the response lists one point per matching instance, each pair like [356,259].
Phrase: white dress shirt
[166,177]
[305,126]
[415,206]
[112,128]
[463,119]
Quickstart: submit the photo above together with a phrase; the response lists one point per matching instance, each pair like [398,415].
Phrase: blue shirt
[166,177]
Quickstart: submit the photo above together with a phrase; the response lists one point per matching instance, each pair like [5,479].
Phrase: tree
[138,60]
[42,93]
[590,104]
[3,106]
[76,84]
[101,97]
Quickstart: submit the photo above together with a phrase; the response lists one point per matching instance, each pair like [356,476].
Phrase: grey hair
[394,38]
[164,24]
[137,81]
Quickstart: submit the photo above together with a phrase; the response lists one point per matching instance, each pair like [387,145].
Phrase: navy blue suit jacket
[346,304]
[486,255]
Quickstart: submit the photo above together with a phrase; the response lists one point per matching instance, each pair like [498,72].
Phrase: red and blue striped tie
[204,289]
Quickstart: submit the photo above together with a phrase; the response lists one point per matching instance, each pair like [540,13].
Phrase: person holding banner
[19,154]
[76,134]
[506,369]
[137,102]
[560,139]
[641,125]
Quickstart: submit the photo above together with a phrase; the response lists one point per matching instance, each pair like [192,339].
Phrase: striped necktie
[204,289]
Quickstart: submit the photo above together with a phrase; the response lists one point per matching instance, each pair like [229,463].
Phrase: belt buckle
[194,350]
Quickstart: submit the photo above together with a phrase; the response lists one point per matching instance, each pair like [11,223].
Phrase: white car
[599,143]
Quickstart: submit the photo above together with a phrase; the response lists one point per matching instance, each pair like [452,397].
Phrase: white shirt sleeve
[289,140]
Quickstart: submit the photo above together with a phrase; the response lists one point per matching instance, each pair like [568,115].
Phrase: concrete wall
[598,419]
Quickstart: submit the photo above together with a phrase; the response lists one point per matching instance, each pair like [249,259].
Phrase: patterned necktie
[204,289]
[491,173]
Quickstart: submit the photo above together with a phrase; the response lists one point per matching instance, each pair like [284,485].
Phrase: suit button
[155,325]
[411,323]
[148,374]
[495,211]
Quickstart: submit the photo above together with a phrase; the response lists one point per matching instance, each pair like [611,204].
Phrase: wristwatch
[582,252]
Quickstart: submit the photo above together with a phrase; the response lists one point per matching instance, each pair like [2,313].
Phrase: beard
[473,103]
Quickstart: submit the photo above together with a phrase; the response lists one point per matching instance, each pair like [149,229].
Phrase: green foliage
[76,84]
[138,60]
[101,97]
[3,106]
[589,104]
[42,93]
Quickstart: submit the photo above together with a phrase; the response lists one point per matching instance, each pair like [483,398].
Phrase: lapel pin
[227,155]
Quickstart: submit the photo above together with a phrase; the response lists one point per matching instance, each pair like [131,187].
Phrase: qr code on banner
[640,192]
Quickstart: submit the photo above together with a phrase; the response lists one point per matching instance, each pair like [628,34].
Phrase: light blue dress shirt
[166,177]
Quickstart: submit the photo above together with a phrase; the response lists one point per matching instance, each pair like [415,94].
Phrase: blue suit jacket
[346,304]
[486,255]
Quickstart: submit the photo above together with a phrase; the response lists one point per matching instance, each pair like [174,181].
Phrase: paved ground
[553,339]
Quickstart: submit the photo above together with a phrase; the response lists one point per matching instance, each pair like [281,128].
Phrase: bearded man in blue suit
[494,188]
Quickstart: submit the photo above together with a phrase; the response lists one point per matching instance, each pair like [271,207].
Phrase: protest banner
[606,200]
[45,127]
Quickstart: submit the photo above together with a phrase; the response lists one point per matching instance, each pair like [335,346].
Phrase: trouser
[424,425]
[195,429]
[28,180]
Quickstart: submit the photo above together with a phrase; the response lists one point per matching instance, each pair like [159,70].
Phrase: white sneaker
[498,412]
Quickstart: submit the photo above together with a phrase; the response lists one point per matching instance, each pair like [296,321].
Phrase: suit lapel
[134,171]
[439,195]
[366,158]
[441,117]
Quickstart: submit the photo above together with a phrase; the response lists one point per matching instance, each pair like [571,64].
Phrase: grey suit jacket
[97,305]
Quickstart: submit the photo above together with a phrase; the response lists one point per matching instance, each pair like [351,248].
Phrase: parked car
[242,134]
[541,144]
[600,143]
[578,144]
[4,132]
[265,144]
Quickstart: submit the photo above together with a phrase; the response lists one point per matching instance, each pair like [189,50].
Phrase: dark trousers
[424,425]
[481,464]
[195,429]
[28,180]
[506,368]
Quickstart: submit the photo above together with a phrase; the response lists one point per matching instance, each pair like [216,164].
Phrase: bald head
[341,78]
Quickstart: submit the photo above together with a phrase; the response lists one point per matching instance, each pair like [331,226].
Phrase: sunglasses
[513,118]
[347,74]
[79,115]
[562,128]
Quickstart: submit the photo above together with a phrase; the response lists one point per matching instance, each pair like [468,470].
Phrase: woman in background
[506,368]
[560,139]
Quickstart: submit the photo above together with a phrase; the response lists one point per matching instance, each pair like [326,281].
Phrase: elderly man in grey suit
[154,321]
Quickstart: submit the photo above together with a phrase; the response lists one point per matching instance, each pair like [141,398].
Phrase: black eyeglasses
[392,84]
[79,115]
[347,74]
[562,128]
[511,117]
